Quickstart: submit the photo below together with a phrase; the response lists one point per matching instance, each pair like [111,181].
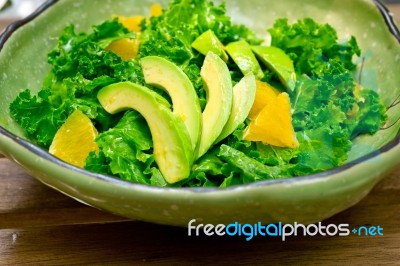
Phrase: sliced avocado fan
[279,62]
[163,74]
[244,94]
[172,145]
[209,42]
[218,85]
[244,58]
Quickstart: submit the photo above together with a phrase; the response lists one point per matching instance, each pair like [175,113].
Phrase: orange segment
[75,139]
[273,125]
[155,10]
[131,23]
[265,93]
[128,48]
[125,48]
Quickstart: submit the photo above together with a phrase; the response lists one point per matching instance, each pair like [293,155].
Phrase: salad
[186,98]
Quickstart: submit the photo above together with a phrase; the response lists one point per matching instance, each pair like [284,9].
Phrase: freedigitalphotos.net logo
[249,231]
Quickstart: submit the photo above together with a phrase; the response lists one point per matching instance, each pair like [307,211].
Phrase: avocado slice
[244,58]
[218,85]
[279,62]
[209,42]
[171,142]
[244,94]
[165,75]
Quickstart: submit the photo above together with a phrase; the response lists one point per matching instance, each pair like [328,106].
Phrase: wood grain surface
[40,226]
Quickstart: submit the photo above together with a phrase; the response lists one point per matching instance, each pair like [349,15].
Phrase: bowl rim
[11,28]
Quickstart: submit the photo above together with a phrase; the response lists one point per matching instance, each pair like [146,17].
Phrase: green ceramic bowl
[23,64]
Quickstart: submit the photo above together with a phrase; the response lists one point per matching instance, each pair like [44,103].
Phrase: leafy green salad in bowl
[143,109]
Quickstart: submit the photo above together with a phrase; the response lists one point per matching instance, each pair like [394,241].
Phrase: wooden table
[39,226]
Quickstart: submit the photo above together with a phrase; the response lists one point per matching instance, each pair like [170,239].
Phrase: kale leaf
[313,47]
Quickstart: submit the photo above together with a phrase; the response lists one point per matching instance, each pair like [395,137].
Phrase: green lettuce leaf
[313,47]
[38,117]
[250,169]
[127,148]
